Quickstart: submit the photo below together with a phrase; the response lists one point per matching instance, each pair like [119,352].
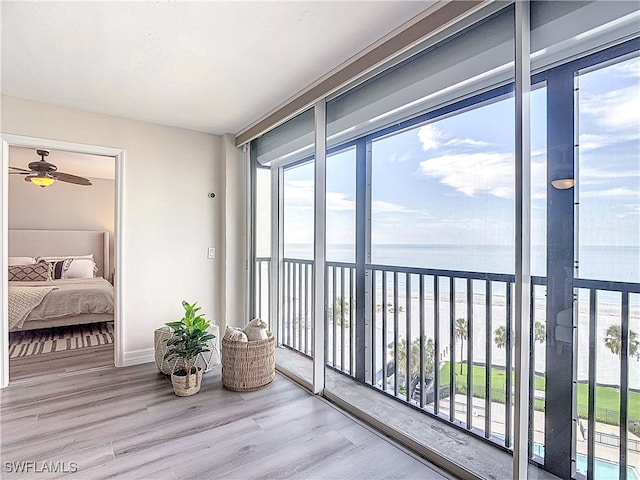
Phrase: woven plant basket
[248,366]
[179,383]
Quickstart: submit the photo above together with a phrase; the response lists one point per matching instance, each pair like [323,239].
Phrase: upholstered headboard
[51,243]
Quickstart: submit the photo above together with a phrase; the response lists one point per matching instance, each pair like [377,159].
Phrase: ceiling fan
[43,173]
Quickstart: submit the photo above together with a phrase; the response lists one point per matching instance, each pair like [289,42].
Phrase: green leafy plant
[189,338]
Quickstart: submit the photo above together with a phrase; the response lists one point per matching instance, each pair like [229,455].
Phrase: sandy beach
[608,314]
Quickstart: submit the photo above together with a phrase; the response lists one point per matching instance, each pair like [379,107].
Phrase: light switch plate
[211,253]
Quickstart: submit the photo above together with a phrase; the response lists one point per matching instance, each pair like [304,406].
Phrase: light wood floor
[61,362]
[127,423]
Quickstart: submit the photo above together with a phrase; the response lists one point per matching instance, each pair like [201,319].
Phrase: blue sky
[451,181]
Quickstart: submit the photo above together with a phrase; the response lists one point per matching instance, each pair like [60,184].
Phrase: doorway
[18,142]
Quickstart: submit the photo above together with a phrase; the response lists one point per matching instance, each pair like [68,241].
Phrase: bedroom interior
[211,128]
[67,324]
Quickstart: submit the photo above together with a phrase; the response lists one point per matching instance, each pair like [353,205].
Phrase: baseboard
[136,357]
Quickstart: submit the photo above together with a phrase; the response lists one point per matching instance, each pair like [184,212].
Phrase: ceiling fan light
[41,180]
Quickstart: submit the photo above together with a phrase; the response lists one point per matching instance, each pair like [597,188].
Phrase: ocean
[620,264]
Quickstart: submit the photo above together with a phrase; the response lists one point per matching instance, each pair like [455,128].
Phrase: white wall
[235,248]
[168,218]
[62,206]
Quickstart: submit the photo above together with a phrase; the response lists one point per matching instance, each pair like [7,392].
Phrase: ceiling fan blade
[20,173]
[19,170]
[67,177]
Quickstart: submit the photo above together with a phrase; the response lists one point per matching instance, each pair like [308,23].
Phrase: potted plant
[188,340]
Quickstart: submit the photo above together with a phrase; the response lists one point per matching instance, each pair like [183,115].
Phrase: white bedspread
[70,297]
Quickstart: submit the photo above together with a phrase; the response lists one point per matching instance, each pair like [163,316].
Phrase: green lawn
[607,398]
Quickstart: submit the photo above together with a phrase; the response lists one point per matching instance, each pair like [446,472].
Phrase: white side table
[206,360]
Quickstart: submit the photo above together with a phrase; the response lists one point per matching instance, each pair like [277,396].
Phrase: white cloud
[630,68]
[589,173]
[379,206]
[611,192]
[539,179]
[467,142]
[474,173]
[397,220]
[430,137]
[593,141]
[399,157]
[589,177]
[632,209]
[540,152]
[340,202]
[483,172]
[298,194]
[615,111]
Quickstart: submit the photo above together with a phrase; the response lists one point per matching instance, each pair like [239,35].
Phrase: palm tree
[429,357]
[539,332]
[402,357]
[613,340]
[429,354]
[500,334]
[337,316]
[461,333]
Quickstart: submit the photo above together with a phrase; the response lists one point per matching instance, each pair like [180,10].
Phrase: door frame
[33,142]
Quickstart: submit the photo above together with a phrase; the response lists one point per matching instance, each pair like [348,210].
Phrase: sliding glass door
[421,280]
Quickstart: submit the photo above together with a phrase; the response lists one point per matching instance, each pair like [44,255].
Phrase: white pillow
[256,329]
[22,261]
[81,268]
[235,335]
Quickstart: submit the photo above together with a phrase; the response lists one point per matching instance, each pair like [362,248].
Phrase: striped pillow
[58,269]
[38,272]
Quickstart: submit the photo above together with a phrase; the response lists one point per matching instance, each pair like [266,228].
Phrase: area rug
[37,342]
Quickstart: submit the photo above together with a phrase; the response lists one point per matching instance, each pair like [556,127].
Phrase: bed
[88,297]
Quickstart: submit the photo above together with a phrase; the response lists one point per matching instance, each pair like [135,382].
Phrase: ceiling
[208,66]
[81,164]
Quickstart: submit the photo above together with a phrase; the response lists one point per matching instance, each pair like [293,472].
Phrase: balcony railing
[432,343]
[438,341]
[615,300]
[297,287]
[340,319]
[262,279]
